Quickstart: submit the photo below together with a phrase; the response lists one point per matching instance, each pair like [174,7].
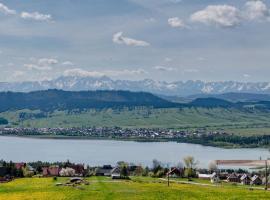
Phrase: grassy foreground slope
[99,189]
[232,120]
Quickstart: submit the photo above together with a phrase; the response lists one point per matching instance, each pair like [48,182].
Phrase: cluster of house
[79,170]
[5,175]
[244,179]
[109,132]
[72,170]
[55,170]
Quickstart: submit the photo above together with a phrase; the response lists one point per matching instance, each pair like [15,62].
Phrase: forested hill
[50,100]
[65,100]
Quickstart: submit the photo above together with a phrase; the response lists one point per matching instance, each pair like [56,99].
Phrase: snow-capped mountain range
[179,88]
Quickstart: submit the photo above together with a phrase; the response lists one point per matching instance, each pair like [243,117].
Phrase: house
[245,179]
[68,172]
[204,176]
[116,173]
[214,178]
[79,169]
[28,171]
[175,173]
[3,171]
[223,175]
[50,171]
[256,180]
[104,171]
[233,178]
[20,165]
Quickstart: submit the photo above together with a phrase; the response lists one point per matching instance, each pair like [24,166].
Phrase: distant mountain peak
[177,88]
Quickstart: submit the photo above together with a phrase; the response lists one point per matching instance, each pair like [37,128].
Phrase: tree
[212,167]
[138,171]
[146,171]
[190,165]
[157,166]
[123,168]
[189,173]
[124,171]
[3,121]
[190,162]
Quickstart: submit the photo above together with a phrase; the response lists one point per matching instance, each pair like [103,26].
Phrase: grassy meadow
[231,120]
[102,188]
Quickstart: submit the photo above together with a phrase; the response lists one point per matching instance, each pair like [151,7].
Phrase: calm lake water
[99,152]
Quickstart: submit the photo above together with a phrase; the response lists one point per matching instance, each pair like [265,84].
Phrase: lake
[99,152]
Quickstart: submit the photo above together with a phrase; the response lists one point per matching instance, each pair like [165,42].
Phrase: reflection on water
[99,152]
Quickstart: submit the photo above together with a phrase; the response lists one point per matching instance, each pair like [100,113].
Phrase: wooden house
[256,180]
[245,179]
[233,178]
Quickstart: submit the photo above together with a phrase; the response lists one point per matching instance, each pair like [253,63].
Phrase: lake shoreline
[140,140]
[103,151]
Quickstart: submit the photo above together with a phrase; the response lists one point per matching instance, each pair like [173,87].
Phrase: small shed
[104,171]
[116,173]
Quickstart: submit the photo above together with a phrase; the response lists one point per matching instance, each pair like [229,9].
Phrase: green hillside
[105,188]
[235,120]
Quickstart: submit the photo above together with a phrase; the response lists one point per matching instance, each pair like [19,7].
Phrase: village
[187,173]
[111,132]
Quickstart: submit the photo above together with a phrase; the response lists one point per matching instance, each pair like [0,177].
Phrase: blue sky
[211,40]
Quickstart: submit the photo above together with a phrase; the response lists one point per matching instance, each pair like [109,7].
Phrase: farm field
[231,120]
[105,188]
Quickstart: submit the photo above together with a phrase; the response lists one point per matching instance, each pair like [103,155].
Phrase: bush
[151,174]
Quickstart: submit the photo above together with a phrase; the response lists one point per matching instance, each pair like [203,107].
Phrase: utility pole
[266,175]
[168,179]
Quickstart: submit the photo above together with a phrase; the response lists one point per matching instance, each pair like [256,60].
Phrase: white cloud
[82,73]
[125,72]
[176,1]
[150,20]
[4,9]
[167,59]
[220,15]
[36,67]
[36,16]
[10,64]
[191,70]
[42,64]
[256,10]
[118,38]
[201,59]
[17,74]
[67,63]
[246,76]
[47,61]
[175,22]
[85,73]
[163,68]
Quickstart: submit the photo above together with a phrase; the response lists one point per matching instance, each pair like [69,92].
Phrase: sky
[165,40]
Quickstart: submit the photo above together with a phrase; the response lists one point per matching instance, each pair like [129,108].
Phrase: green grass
[231,120]
[100,188]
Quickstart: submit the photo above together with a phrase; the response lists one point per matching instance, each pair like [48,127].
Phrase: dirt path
[206,184]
